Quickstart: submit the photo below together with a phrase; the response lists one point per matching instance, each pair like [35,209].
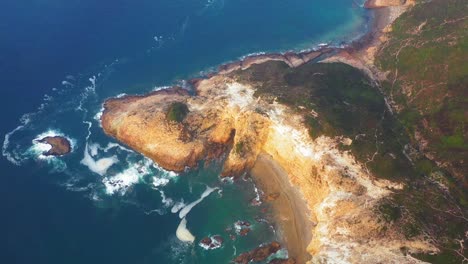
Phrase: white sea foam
[157,182]
[98,115]
[170,174]
[115,145]
[215,243]
[189,207]
[253,54]
[93,149]
[159,88]
[280,254]
[12,156]
[177,206]
[167,202]
[6,143]
[258,199]
[85,94]
[99,166]
[67,84]
[182,233]
[120,182]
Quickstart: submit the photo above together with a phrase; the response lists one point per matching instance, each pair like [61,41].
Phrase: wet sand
[290,210]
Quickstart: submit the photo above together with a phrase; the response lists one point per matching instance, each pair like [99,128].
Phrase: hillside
[425,61]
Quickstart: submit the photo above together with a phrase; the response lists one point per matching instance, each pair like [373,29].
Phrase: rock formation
[259,254]
[59,145]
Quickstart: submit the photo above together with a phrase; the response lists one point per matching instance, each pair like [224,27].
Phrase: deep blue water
[57,210]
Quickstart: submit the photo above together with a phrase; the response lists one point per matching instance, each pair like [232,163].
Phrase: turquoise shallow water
[60,59]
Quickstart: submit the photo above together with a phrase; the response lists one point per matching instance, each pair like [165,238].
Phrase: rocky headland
[234,118]
[319,137]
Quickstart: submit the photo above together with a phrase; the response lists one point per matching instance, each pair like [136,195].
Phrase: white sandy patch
[239,95]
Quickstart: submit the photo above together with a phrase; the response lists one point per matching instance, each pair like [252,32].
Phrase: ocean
[104,203]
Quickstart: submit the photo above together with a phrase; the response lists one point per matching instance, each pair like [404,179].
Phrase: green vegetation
[411,230]
[337,99]
[177,112]
[427,58]
[427,61]
[390,212]
[346,103]
[239,148]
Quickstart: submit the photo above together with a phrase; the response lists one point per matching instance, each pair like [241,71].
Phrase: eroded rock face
[282,261]
[221,117]
[259,254]
[59,145]
[383,3]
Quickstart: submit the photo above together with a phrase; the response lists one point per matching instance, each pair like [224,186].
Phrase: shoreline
[290,210]
[381,17]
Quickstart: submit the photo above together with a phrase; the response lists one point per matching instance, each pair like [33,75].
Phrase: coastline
[358,53]
[290,210]
[291,213]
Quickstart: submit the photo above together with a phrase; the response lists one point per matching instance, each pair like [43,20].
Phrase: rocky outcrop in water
[291,58]
[259,254]
[59,145]
[212,242]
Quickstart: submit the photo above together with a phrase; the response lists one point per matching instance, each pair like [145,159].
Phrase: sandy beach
[290,210]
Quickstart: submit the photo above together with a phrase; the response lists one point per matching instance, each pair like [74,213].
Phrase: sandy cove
[291,214]
[326,199]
